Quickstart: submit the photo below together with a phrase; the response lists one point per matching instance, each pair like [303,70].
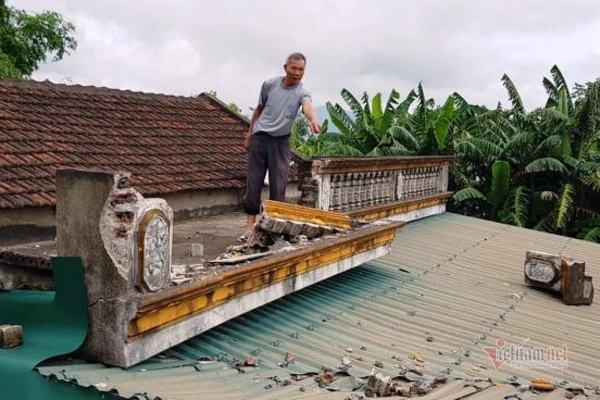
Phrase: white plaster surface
[418,214]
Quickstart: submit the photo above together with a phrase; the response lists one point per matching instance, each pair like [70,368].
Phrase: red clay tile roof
[168,143]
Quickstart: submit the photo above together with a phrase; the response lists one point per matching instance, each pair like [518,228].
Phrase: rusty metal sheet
[451,286]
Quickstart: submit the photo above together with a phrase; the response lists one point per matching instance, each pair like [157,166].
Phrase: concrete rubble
[271,236]
[560,274]
[10,336]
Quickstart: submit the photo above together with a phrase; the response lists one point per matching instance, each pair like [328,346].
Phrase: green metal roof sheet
[451,285]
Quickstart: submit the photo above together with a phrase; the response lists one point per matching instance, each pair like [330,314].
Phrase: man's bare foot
[250,224]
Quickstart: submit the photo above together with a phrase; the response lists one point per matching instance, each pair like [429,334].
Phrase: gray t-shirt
[280,106]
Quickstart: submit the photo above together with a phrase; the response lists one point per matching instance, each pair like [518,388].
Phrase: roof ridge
[225,106]
[91,89]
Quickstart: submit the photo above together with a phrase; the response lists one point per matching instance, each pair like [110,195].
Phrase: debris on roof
[454,278]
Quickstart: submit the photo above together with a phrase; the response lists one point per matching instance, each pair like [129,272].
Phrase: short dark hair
[295,56]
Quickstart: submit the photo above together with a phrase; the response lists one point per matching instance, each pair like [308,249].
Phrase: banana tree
[367,129]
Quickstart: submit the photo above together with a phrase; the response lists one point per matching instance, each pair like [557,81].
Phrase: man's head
[294,68]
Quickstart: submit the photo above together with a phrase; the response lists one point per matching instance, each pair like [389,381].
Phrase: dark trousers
[266,153]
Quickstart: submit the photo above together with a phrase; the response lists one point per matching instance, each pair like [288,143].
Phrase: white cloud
[185,46]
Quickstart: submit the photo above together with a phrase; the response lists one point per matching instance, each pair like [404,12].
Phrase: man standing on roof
[267,141]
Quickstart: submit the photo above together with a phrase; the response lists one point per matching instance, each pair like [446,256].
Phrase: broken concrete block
[278,226]
[378,384]
[267,224]
[295,229]
[10,336]
[561,274]
[576,287]
[312,231]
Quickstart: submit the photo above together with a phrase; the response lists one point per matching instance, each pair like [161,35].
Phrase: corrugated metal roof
[451,285]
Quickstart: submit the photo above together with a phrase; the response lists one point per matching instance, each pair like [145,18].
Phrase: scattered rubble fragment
[418,357]
[325,377]
[541,384]
[250,362]
[346,361]
[384,386]
[10,336]
[288,359]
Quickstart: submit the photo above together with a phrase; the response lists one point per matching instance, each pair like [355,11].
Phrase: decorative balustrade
[350,184]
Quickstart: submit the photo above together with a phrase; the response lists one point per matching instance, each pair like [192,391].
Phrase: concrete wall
[186,204]
[195,203]
[36,216]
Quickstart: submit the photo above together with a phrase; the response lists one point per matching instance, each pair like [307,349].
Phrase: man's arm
[257,111]
[309,111]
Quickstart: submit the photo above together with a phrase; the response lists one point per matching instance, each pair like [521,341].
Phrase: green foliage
[590,234]
[551,155]
[500,182]
[516,208]
[304,141]
[538,169]
[467,194]
[374,129]
[7,68]
[27,40]
[513,95]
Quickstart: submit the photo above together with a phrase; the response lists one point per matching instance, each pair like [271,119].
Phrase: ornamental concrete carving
[137,235]
[406,187]
[561,274]
[154,250]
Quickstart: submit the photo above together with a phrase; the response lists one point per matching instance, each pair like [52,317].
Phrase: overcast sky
[187,47]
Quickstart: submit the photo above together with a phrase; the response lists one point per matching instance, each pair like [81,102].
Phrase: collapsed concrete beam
[172,316]
[125,241]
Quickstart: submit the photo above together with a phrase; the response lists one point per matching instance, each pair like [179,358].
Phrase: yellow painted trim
[400,207]
[159,311]
[294,212]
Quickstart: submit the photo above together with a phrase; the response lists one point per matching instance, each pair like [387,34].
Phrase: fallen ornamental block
[10,336]
[561,274]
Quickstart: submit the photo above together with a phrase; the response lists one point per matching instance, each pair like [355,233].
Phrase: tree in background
[537,169]
[231,105]
[27,40]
